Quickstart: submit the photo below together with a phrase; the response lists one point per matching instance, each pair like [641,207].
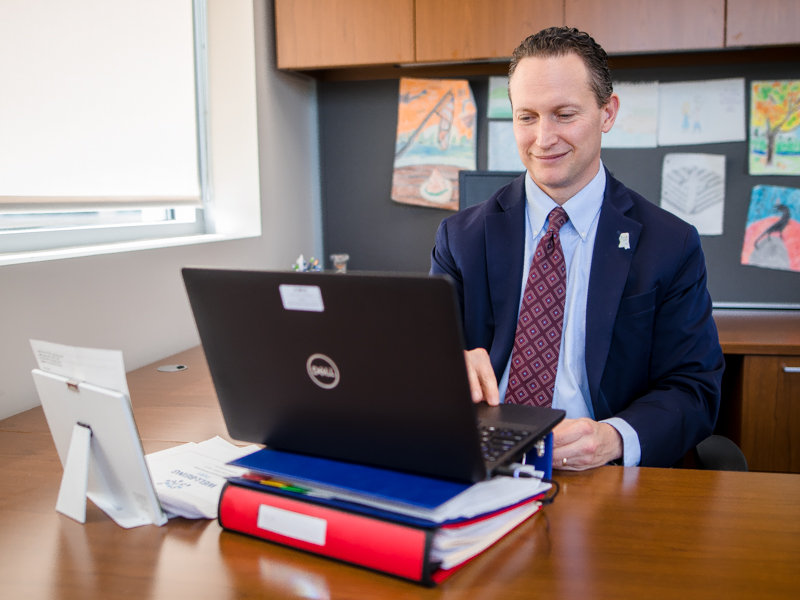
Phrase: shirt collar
[581,209]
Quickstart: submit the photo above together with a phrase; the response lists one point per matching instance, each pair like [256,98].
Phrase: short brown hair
[555,42]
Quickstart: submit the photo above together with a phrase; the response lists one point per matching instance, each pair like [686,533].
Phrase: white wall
[135,301]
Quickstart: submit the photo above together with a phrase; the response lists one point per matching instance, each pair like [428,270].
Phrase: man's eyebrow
[567,106]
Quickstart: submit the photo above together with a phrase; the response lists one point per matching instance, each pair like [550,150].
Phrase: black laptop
[360,368]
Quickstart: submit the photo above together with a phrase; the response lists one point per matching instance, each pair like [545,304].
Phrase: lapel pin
[625,241]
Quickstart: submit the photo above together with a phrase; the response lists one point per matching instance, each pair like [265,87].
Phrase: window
[102,121]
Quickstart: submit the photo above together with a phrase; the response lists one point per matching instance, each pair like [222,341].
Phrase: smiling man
[575,291]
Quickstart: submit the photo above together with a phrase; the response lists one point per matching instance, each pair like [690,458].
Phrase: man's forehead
[570,65]
[551,73]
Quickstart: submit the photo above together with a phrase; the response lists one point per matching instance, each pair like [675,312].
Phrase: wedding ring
[564,462]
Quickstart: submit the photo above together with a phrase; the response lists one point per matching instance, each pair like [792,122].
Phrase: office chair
[718,453]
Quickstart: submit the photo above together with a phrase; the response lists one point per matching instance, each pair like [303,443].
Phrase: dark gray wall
[357,127]
[358,124]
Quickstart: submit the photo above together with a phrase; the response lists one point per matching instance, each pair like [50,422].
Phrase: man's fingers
[474,383]
[489,385]
[482,381]
[597,444]
[571,430]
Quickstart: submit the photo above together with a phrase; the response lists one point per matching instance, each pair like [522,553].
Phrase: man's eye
[566,115]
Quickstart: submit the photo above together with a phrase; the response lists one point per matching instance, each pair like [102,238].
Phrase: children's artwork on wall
[775,127]
[436,124]
[637,121]
[693,188]
[503,153]
[701,112]
[772,234]
[499,104]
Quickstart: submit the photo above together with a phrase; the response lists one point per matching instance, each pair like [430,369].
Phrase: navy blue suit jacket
[652,351]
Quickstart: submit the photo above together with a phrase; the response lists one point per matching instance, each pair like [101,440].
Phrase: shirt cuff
[631,450]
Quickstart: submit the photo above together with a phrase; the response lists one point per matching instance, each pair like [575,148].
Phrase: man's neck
[561,195]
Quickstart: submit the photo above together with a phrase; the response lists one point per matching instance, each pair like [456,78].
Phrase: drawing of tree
[776,107]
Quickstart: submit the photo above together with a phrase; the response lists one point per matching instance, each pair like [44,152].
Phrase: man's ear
[610,111]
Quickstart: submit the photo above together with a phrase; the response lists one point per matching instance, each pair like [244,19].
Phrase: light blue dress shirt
[577,243]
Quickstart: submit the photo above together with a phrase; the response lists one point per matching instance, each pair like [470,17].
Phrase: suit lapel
[505,249]
[609,272]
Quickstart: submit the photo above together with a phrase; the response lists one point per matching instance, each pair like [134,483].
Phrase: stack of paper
[456,544]
[189,478]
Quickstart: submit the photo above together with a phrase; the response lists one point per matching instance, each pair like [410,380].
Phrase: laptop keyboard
[498,441]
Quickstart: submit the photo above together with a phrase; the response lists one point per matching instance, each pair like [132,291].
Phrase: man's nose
[546,136]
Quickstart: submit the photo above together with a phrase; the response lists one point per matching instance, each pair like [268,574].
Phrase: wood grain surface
[628,26]
[767,332]
[762,22]
[454,30]
[335,33]
[612,533]
[771,413]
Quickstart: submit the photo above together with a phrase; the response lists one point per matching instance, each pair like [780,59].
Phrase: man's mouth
[551,157]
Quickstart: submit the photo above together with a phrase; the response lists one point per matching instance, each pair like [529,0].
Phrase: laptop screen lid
[361,368]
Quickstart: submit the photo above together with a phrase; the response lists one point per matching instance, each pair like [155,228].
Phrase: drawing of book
[692,189]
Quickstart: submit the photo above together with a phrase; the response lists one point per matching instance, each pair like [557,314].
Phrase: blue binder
[382,484]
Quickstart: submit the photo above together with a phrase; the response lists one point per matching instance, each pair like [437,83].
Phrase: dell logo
[322,371]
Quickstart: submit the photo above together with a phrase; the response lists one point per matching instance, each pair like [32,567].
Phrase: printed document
[189,478]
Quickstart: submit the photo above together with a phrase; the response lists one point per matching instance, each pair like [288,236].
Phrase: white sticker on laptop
[302,297]
[291,524]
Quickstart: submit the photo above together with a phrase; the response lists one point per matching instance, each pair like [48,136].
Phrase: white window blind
[97,105]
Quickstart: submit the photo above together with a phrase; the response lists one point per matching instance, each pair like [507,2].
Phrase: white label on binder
[292,524]
[302,297]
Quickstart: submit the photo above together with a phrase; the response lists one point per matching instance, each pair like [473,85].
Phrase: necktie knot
[556,219]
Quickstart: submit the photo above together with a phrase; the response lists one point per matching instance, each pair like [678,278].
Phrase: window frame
[235,216]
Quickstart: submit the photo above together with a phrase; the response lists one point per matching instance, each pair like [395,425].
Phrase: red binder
[395,548]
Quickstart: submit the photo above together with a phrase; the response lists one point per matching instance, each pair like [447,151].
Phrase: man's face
[557,123]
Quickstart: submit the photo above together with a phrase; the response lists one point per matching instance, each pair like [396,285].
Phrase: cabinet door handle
[791,369]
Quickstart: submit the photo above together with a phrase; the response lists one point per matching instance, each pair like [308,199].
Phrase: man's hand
[585,444]
[482,382]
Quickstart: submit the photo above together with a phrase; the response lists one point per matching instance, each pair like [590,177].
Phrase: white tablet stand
[72,494]
[98,444]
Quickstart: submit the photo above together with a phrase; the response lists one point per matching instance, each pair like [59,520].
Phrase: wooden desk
[613,533]
[761,389]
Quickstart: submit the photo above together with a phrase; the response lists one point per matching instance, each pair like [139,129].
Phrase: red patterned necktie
[534,360]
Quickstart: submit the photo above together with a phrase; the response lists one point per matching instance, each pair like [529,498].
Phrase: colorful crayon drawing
[436,123]
[772,234]
[775,127]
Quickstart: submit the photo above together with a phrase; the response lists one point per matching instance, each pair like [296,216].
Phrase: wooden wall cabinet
[771,413]
[336,33]
[323,34]
[763,23]
[634,26]
[459,30]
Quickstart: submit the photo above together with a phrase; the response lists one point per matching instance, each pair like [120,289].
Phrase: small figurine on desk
[302,266]
[340,262]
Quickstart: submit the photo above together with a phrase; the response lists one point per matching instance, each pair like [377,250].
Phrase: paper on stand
[103,368]
[189,478]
